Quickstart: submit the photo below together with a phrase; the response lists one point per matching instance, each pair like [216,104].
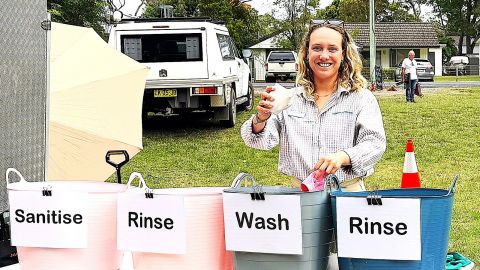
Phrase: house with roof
[393,42]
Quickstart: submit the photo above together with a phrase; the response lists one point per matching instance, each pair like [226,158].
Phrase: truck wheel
[232,111]
[248,105]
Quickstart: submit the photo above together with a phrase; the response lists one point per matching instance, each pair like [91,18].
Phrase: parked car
[281,65]
[459,63]
[194,66]
[425,70]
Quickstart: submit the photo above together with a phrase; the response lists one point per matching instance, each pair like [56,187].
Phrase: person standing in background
[409,76]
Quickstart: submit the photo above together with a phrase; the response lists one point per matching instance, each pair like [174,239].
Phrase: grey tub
[317,233]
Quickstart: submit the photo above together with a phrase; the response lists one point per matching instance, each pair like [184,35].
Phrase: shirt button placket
[317,135]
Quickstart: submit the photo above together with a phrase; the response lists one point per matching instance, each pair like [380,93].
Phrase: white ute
[281,65]
[194,66]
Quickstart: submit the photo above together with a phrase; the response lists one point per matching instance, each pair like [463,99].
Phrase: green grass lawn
[443,124]
[469,78]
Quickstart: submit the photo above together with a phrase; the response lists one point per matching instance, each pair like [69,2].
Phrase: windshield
[163,48]
[281,56]
[459,60]
[422,62]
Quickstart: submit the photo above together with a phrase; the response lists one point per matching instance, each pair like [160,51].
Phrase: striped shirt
[349,121]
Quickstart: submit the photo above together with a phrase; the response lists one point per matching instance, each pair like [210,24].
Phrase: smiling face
[325,53]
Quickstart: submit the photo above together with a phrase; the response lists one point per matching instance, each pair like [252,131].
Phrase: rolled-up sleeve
[265,140]
[370,142]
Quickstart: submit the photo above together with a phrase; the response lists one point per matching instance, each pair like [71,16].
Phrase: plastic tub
[205,246]
[317,233]
[101,253]
[436,214]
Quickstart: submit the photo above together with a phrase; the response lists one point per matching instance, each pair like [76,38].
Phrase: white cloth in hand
[282,97]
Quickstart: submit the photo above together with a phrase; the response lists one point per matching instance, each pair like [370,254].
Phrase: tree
[414,5]
[460,18]
[331,11]
[357,11]
[88,13]
[181,8]
[117,5]
[294,27]
[449,49]
[267,25]
[240,19]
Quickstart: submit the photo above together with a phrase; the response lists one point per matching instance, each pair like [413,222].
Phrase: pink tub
[205,234]
[101,253]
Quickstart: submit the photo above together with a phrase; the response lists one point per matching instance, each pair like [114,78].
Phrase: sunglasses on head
[328,22]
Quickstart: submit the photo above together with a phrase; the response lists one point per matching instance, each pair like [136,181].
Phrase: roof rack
[174,19]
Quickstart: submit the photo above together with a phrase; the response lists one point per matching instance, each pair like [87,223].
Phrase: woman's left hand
[331,163]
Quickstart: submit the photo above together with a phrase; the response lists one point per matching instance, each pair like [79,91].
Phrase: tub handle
[452,187]
[332,183]
[141,181]
[119,165]
[7,173]
[243,176]
[257,191]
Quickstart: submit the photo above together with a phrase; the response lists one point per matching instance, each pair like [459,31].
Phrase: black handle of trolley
[119,165]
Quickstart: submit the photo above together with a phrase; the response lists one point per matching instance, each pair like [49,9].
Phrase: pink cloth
[314,184]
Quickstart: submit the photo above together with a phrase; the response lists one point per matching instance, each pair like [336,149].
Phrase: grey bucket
[317,232]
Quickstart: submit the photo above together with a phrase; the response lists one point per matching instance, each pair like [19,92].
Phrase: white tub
[101,252]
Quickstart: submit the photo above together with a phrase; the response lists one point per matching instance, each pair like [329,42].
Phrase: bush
[388,73]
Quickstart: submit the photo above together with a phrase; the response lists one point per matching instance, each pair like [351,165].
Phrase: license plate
[165,93]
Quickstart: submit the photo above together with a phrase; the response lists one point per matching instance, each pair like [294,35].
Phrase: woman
[334,123]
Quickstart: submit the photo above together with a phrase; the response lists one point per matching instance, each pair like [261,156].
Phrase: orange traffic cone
[410,177]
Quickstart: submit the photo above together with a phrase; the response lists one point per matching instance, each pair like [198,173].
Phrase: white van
[194,66]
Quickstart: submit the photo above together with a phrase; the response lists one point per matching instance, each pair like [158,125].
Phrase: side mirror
[247,53]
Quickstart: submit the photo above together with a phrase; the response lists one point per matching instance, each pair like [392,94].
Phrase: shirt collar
[339,91]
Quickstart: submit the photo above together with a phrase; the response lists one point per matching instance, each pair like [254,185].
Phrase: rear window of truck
[281,57]
[163,48]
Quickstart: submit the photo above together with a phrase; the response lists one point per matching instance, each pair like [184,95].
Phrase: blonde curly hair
[349,74]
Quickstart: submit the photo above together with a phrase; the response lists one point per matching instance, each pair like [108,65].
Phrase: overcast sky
[264,6]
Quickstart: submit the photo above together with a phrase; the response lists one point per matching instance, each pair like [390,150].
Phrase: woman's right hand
[265,104]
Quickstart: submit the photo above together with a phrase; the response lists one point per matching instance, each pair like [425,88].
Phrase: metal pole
[305,23]
[305,9]
[47,99]
[373,49]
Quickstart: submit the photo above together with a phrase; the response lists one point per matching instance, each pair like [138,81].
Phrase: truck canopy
[459,60]
[166,46]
